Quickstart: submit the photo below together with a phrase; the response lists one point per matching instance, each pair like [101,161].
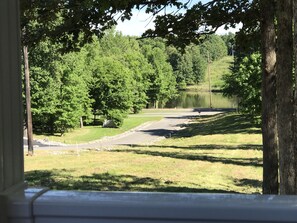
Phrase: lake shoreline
[201,99]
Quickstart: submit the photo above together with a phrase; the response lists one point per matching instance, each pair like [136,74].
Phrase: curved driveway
[148,133]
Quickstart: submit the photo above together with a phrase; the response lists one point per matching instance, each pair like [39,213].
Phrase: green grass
[220,153]
[91,133]
[217,70]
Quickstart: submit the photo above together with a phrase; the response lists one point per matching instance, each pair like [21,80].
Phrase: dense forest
[111,77]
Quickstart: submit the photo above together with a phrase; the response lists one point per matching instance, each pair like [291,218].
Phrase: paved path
[148,133]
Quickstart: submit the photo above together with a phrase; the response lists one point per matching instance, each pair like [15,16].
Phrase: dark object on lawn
[109,124]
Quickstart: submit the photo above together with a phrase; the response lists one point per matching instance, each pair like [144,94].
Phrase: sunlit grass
[219,153]
[91,133]
[217,70]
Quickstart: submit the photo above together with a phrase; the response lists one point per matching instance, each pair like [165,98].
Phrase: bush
[117,117]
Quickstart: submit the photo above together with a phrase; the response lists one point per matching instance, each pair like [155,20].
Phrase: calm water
[189,99]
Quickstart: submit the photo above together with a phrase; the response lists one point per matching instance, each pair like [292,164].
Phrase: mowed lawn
[215,154]
[92,133]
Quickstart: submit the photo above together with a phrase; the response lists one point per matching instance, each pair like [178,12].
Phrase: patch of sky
[140,22]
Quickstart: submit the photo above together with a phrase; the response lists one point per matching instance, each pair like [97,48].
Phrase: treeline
[111,77]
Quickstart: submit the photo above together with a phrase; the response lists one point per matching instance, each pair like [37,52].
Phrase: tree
[128,52]
[162,81]
[207,18]
[174,58]
[284,89]
[188,65]
[181,29]
[295,92]
[268,92]
[140,69]
[111,86]
[245,83]
[277,94]
[44,85]
[74,100]
[214,46]
[185,68]
[63,22]
[229,40]
[130,66]
[111,89]
[28,102]
[59,88]
[199,63]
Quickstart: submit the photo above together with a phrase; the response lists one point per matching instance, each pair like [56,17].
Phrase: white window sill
[42,206]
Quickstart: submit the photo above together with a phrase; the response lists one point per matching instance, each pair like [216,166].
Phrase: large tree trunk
[284,96]
[295,93]
[269,127]
[28,102]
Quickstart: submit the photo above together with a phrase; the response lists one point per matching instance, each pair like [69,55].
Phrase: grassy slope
[90,133]
[217,69]
[214,154]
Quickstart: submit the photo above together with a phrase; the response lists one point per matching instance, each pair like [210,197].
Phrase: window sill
[88,207]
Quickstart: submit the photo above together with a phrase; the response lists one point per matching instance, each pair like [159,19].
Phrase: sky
[141,21]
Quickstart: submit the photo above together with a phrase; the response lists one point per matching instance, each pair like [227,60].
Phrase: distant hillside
[217,70]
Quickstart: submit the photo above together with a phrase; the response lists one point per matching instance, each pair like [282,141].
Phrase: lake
[194,99]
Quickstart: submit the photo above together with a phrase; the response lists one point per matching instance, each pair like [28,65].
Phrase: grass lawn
[219,153]
[91,133]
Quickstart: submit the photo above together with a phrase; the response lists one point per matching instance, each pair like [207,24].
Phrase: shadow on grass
[158,132]
[201,147]
[62,180]
[255,162]
[219,124]
[248,183]
[208,125]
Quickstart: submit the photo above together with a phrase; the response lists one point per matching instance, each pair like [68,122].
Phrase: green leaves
[59,86]
[118,76]
[111,88]
[111,77]
[190,64]
[245,83]
[214,46]
[73,23]
[162,82]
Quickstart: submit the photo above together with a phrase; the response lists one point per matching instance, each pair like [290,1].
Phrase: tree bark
[269,127]
[81,122]
[209,80]
[295,92]
[284,89]
[28,103]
